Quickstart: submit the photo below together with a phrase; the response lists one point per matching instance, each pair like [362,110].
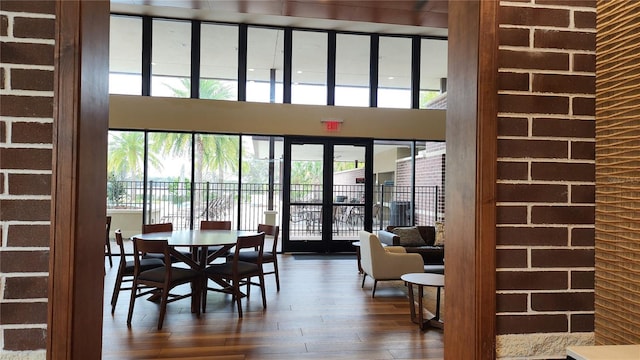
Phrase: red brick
[574,84]
[36,28]
[16,158]
[571,3]
[3,132]
[32,79]
[531,280]
[26,53]
[510,59]
[508,126]
[4,25]
[563,171]
[582,323]
[584,106]
[583,236]
[584,19]
[533,16]
[582,280]
[23,313]
[40,7]
[32,287]
[564,128]
[32,106]
[511,258]
[563,214]
[513,37]
[533,104]
[531,193]
[32,133]
[532,149]
[28,235]
[25,210]
[569,40]
[575,301]
[25,339]
[532,236]
[511,214]
[562,258]
[513,81]
[584,62]
[585,194]
[527,324]
[508,170]
[1,183]
[511,302]
[29,184]
[24,261]
[582,150]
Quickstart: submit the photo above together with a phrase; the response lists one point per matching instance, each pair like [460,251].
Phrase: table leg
[411,303]
[358,257]
[421,321]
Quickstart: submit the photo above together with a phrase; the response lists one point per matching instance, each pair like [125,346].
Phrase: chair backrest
[141,247]
[215,225]
[370,250]
[155,228]
[251,241]
[270,230]
[120,243]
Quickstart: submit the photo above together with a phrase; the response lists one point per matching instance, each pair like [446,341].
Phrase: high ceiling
[421,17]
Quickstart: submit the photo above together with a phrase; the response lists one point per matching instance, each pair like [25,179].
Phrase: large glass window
[125,55]
[265,62]
[394,73]
[352,70]
[309,68]
[171,58]
[219,62]
[433,68]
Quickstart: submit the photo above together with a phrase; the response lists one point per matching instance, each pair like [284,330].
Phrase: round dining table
[199,242]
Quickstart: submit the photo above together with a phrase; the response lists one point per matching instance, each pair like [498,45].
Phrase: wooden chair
[155,228]
[267,256]
[235,273]
[160,279]
[125,270]
[215,225]
[108,243]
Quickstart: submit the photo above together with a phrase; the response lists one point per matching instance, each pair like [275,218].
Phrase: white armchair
[385,263]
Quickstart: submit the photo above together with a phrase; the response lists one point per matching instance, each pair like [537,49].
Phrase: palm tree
[126,155]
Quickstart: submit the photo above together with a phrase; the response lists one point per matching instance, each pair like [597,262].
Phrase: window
[309,68]
[265,62]
[433,68]
[219,62]
[171,58]
[394,73]
[125,55]
[352,70]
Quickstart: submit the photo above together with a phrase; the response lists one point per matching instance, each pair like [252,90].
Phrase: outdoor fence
[245,205]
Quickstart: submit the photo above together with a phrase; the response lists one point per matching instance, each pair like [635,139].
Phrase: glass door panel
[306,195]
[348,192]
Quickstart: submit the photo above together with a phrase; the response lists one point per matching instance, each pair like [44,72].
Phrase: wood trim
[471,180]
[79,172]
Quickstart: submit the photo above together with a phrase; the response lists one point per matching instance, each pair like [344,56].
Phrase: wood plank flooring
[320,313]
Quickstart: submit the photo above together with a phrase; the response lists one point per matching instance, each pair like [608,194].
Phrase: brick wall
[546,177]
[26,118]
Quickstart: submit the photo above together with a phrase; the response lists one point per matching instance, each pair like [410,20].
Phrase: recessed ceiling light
[390,78]
[299,71]
[252,69]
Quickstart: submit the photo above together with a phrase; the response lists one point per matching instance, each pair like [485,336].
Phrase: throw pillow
[409,236]
[439,234]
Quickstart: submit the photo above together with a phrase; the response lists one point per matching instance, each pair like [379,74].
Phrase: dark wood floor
[320,313]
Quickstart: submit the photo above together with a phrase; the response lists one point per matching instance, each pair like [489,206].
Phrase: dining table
[199,242]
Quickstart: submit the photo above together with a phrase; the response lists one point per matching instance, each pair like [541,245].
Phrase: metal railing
[245,205]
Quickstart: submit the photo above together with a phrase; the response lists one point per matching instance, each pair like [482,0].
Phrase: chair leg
[116,292]
[275,269]
[264,293]
[163,307]
[203,294]
[375,283]
[364,276]
[108,244]
[132,302]
[236,293]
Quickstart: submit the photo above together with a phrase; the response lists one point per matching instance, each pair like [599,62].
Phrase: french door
[328,193]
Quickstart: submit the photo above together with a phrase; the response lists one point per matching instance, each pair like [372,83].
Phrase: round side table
[421,280]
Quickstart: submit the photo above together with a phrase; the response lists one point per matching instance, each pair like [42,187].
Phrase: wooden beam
[471,180]
[76,267]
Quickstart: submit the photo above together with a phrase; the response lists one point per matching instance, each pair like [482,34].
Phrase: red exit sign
[332,125]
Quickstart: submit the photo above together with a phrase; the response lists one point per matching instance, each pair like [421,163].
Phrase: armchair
[385,263]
